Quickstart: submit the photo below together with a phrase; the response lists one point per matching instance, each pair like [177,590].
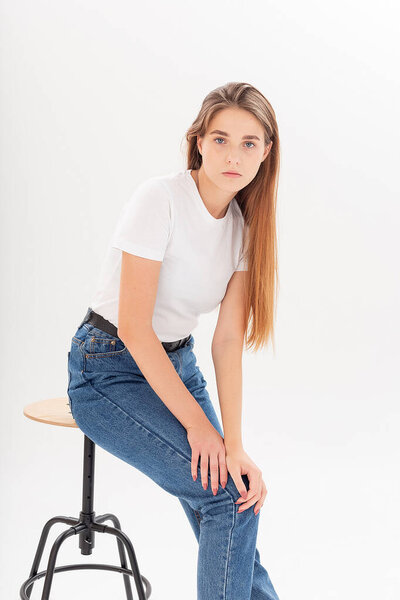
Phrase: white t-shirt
[166,219]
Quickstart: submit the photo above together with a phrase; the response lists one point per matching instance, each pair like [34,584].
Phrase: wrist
[233,445]
[197,417]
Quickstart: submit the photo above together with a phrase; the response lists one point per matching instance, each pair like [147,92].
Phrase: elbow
[135,333]
[232,346]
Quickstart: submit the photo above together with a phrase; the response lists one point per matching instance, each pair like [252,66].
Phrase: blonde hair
[257,202]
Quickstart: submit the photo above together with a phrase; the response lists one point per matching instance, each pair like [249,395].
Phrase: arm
[138,289]
[227,349]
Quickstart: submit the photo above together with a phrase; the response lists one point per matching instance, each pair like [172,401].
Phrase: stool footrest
[31,580]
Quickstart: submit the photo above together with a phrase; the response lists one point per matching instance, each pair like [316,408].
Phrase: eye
[219,138]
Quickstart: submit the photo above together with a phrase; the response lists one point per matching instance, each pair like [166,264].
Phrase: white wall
[96,97]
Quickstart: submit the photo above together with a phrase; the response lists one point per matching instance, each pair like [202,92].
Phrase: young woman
[185,243]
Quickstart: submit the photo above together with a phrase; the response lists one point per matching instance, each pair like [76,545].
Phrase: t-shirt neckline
[195,192]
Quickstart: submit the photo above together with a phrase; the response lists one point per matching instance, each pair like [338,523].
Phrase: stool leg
[42,543]
[131,553]
[122,555]
[53,556]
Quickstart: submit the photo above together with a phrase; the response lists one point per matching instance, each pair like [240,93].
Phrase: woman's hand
[208,444]
[238,464]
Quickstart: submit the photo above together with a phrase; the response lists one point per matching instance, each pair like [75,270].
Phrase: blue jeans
[114,405]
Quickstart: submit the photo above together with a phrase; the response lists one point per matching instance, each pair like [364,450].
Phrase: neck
[215,200]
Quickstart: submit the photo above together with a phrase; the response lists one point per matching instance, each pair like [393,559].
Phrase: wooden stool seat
[56,411]
[53,411]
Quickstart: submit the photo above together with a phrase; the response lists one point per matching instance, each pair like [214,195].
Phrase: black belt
[100,322]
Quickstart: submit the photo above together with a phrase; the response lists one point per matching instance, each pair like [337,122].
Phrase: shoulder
[146,220]
[150,196]
[152,188]
[159,189]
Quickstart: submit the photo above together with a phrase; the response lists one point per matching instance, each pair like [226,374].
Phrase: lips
[230,173]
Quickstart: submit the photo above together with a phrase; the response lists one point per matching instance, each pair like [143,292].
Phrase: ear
[199,144]
[267,151]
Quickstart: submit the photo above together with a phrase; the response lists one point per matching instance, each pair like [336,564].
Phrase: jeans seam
[228,552]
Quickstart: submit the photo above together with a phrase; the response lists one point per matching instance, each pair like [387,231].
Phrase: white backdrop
[96,97]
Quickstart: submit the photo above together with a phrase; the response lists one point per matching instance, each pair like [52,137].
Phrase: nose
[230,159]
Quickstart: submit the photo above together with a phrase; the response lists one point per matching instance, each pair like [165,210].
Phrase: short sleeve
[242,263]
[144,225]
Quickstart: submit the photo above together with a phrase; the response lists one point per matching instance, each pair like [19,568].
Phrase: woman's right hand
[208,445]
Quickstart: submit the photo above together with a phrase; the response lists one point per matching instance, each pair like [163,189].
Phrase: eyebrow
[245,137]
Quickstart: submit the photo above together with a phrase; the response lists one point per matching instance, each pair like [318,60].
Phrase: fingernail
[240,509]
[223,484]
[205,486]
[194,477]
[215,491]
[256,512]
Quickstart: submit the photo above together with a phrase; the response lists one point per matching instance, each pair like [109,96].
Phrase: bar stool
[56,411]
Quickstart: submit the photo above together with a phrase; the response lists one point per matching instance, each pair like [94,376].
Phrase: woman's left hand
[239,463]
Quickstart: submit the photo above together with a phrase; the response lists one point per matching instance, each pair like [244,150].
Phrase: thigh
[114,405]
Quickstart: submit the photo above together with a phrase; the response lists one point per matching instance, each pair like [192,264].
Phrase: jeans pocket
[99,344]
[104,354]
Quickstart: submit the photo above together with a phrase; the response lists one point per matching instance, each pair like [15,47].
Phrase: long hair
[257,202]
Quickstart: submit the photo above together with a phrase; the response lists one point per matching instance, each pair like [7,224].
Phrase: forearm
[227,358]
[153,361]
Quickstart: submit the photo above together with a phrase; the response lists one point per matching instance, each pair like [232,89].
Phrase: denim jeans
[114,405]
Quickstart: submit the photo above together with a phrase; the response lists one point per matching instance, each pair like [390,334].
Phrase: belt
[100,322]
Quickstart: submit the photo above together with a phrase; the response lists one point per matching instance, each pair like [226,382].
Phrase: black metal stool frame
[85,527]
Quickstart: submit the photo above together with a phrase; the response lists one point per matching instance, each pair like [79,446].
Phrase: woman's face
[234,141]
